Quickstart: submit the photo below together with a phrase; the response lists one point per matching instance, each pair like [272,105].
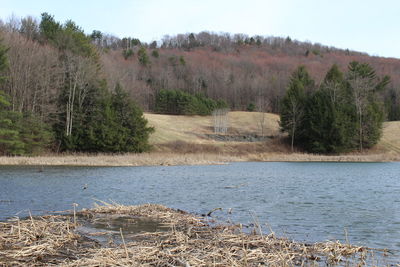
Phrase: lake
[302,201]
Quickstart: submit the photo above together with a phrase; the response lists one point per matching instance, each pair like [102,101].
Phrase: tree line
[345,112]
[177,102]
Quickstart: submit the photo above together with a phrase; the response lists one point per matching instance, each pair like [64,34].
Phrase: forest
[62,89]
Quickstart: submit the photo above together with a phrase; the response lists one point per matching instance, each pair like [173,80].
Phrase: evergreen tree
[155,53]
[365,85]
[118,127]
[9,136]
[49,28]
[345,112]
[143,57]
[36,135]
[177,102]
[10,143]
[293,104]
[318,128]
[392,104]
[130,118]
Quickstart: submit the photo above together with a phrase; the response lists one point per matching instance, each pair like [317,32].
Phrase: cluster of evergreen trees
[344,113]
[88,117]
[177,102]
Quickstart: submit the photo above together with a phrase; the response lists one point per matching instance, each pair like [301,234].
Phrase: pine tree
[9,136]
[293,103]
[365,85]
[10,143]
[143,57]
[318,128]
[133,125]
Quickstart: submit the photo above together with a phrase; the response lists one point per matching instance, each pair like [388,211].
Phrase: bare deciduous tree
[79,73]
[221,123]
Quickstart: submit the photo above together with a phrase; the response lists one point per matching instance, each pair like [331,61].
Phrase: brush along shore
[186,240]
[202,158]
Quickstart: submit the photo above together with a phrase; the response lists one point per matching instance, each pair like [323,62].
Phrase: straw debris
[190,241]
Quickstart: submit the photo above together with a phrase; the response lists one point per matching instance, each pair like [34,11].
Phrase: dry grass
[144,159]
[305,157]
[191,129]
[390,140]
[190,154]
[191,241]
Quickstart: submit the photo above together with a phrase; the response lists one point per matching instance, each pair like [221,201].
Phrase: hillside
[229,68]
[178,132]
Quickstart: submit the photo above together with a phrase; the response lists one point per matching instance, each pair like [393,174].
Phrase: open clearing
[170,128]
[194,130]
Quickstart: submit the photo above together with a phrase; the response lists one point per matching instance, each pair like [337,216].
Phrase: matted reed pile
[191,241]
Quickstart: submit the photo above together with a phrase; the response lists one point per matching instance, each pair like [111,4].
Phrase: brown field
[191,129]
[183,140]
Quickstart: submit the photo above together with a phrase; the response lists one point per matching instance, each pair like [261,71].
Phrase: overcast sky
[362,25]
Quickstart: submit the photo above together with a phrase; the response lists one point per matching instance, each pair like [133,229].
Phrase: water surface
[303,201]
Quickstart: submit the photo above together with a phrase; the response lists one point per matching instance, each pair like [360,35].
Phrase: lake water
[303,201]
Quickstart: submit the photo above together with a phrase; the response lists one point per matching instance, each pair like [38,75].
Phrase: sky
[361,25]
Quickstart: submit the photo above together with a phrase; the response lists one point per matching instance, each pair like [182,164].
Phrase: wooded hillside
[232,68]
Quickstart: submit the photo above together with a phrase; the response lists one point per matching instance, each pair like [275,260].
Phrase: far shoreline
[180,159]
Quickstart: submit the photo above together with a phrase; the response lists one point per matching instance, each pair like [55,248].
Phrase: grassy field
[390,141]
[185,140]
[192,130]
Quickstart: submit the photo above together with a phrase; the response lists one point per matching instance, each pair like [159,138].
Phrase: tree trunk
[293,138]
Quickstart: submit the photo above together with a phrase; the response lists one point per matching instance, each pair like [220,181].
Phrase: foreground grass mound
[186,240]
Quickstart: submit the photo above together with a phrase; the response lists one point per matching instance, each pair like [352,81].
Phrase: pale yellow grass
[170,128]
[144,159]
[301,157]
[390,140]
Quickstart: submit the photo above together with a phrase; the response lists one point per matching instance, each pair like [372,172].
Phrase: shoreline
[176,159]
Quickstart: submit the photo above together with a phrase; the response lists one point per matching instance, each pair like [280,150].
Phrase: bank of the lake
[174,159]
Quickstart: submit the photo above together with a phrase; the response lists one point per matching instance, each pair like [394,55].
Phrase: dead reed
[191,241]
[189,156]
